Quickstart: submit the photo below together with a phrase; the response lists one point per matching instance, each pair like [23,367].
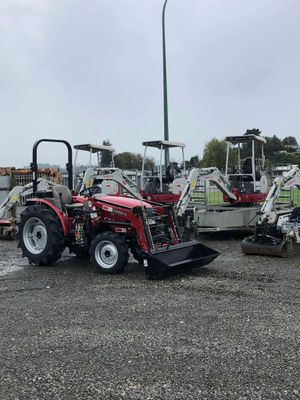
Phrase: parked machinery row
[105,227]
[243,188]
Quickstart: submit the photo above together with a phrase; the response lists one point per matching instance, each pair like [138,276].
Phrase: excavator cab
[104,179]
[94,166]
[167,182]
[247,179]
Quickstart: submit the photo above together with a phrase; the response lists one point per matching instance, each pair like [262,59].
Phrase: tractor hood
[127,202]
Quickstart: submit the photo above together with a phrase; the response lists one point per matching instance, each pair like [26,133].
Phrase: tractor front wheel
[109,253]
[40,235]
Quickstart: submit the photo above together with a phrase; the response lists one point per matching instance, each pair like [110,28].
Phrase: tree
[194,162]
[106,156]
[253,131]
[273,146]
[149,163]
[214,154]
[286,158]
[289,141]
[128,160]
[124,160]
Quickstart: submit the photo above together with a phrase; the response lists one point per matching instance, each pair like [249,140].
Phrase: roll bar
[34,164]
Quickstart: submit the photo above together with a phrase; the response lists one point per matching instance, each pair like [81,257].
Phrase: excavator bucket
[177,258]
[268,246]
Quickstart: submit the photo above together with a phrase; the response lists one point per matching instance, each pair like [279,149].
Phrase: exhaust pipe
[174,259]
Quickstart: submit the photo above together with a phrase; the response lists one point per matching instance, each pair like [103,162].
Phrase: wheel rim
[35,235]
[106,254]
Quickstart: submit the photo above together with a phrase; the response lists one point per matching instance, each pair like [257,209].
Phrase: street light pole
[166,119]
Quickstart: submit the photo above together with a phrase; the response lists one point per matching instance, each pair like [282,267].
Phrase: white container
[5,182]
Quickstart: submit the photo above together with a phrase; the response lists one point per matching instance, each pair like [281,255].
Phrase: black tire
[109,253]
[47,224]
[80,253]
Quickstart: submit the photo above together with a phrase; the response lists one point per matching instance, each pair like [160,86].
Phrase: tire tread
[55,246]
[119,241]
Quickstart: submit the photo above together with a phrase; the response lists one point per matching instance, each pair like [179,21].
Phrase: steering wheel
[91,191]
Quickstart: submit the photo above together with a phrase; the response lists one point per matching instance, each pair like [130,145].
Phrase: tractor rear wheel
[109,253]
[40,235]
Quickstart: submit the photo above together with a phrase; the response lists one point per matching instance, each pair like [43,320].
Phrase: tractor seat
[64,195]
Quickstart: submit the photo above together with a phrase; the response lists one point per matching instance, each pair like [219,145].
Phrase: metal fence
[11,177]
[21,177]
[210,194]
[295,197]
[5,185]
[213,196]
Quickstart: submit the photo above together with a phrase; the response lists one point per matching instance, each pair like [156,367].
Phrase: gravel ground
[229,331]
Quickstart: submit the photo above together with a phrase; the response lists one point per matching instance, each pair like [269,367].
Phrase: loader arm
[206,174]
[115,175]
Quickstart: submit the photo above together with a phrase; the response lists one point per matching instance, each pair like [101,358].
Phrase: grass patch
[216,197]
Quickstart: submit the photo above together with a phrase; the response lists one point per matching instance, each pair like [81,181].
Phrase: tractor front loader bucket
[266,246]
[177,258]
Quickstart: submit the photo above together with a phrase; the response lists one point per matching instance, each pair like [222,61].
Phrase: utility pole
[165,85]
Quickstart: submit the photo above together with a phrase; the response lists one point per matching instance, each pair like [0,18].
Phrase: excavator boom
[116,175]
[212,175]
[106,175]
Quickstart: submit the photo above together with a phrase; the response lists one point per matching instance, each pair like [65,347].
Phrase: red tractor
[105,227]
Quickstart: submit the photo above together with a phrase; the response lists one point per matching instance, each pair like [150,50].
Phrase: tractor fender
[61,216]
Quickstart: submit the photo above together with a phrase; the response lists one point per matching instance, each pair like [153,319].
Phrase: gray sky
[87,70]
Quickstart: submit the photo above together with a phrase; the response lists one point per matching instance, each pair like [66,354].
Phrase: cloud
[91,70]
